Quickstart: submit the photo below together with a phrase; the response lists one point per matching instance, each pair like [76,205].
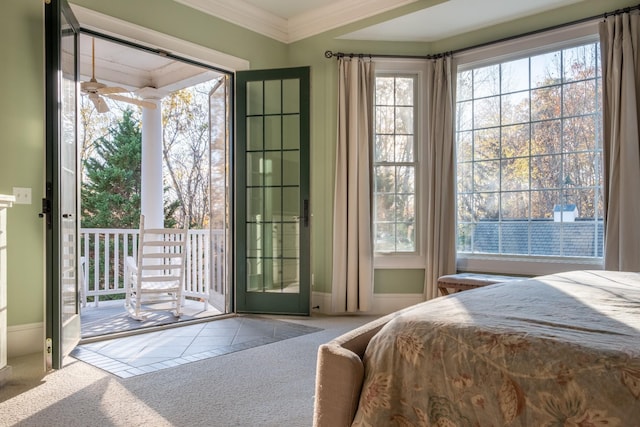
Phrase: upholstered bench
[464,281]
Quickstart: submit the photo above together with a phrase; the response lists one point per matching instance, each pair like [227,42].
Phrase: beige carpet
[270,385]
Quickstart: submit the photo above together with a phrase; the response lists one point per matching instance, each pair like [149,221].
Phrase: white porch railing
[103,253]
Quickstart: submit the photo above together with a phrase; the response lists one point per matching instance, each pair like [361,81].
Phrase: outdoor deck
[110,317]
[102,255]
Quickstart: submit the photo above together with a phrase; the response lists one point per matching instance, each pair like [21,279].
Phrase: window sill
[524,266]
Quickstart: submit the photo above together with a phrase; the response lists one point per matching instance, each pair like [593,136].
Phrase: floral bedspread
[557,350]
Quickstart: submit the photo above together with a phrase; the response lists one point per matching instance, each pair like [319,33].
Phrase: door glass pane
[255,133]
[291,203]
[290,168]
[291,132]
[254,169]
[254,240]
[274,160]
[272,97]
[68,183]
[290,268]
[254,98]
[272,204]
[254,274]
[291,96]
[254,204]
[290,236]
[273,132]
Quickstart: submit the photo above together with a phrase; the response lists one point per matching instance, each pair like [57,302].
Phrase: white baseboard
[321,302]
[25,339]
[382,303]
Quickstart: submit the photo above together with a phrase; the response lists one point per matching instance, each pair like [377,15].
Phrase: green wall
[22,114]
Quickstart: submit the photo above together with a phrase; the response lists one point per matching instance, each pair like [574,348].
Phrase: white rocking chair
[157,275]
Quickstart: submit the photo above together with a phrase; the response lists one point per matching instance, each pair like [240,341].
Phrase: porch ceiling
[133,69]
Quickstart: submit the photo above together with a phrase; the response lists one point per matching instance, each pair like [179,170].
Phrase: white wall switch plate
[22,195]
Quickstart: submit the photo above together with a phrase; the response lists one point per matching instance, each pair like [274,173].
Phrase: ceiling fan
[96,90]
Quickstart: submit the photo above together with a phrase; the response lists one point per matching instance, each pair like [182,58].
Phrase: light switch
[22,195]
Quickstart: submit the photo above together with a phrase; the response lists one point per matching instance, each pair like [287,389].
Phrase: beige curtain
[620,43]
[440,182]
[352,287]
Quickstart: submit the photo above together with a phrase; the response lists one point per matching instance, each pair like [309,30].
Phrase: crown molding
[335,15]
[243,14]
[304,25]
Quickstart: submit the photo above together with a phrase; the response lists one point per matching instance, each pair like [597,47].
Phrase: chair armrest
[340,373]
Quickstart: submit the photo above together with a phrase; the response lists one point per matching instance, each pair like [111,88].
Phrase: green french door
[60,207]
[272,191]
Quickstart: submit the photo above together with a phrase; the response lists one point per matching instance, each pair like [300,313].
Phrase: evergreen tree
[111,188]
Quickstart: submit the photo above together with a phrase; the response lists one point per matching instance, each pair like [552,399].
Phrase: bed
[560,349]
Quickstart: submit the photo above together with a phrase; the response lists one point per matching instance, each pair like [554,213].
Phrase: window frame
[407,68]
[511,50]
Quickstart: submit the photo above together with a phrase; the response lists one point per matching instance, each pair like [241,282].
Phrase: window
[529,156]
[396,160]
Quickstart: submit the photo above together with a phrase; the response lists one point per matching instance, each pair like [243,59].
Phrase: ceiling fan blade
[99,103]
[145,104]
[111,89]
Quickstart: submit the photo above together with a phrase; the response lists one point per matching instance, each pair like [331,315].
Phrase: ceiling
[292,20]
[133,69]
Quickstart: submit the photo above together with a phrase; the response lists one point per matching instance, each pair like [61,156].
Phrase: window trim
[519,48]
[417,68]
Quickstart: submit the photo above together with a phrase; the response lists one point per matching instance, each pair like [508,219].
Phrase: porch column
[152,206]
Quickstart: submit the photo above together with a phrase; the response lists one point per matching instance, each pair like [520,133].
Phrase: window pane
[545,171]
[404,120]
[486,112]
[529,160]
[546,69]
[487,144]
[546,137]
[545,103]
[486,81]
[487,206]
[486,176]
[385,90]
[515,108]
[579,62]
[515,75]
[465,85]
[385,208]
[404,148]
[515,173]
[515,205]
[394,165]
[464,115]
[464,146]
[404,91]
[385,179]
[579,98]
[515,141]
[465,177]
[384,149]
[385,119]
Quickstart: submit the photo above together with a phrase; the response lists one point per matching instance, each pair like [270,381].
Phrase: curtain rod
[329,54]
